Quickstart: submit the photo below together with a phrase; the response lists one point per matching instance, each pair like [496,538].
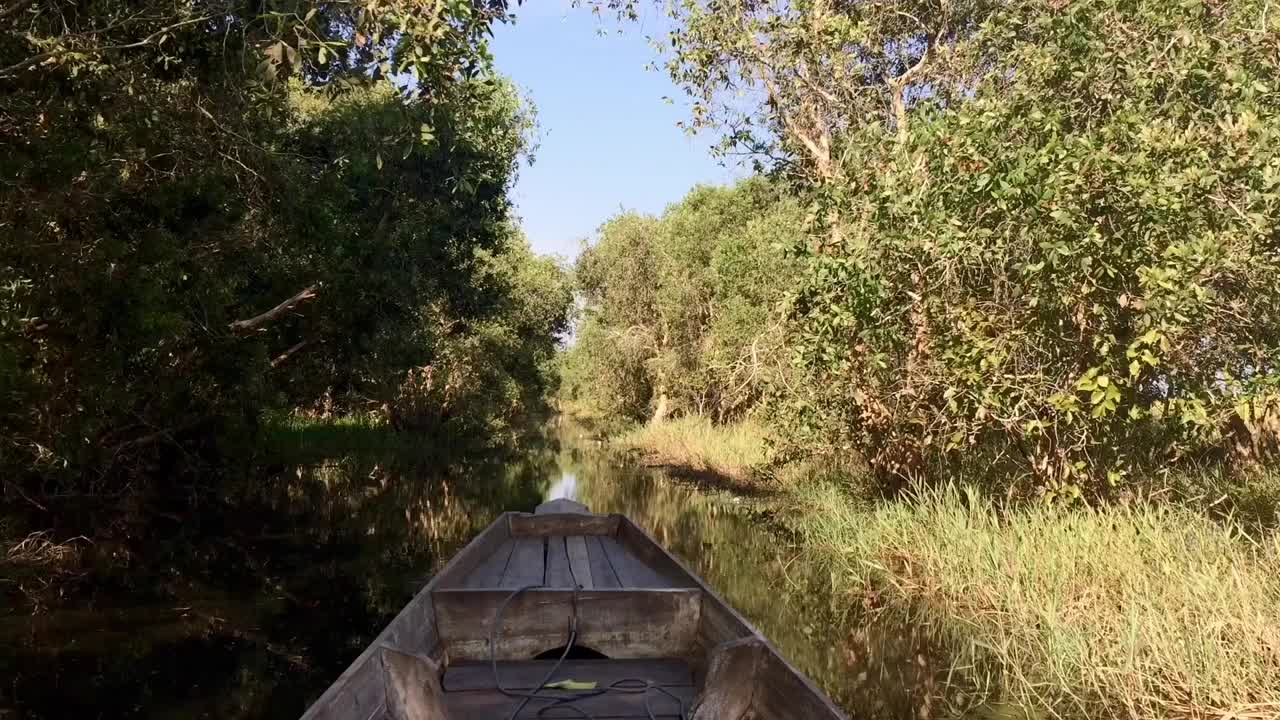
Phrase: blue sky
[607,139]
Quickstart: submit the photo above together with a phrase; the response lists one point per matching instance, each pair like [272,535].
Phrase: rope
[624,685]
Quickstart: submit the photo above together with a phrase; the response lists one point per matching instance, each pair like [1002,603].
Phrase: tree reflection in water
[248,605]
[875,663]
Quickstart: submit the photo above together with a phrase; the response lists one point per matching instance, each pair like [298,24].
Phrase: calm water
[249,607]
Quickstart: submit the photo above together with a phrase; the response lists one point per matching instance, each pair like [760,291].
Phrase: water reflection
[250,604]
[565,486]
[874,664]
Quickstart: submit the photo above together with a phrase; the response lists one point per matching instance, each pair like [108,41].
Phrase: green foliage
[209,210]
[1076,263]
[501,367]
[1043,233]
[682,312]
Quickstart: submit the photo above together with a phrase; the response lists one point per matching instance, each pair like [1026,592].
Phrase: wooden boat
[522,606]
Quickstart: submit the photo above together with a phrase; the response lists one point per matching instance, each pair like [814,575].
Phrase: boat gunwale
[500,530]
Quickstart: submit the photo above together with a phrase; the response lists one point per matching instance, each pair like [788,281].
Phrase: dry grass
[1134,611]
[37,549]
[695,443]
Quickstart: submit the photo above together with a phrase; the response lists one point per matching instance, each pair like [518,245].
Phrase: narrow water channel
[250,607]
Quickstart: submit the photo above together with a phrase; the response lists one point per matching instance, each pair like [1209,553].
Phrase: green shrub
[1069,266]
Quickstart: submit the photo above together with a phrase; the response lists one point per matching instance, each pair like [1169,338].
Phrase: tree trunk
[663,408]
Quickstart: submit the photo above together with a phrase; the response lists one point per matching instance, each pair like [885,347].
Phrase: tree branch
[15,8]
[898,88]
[42,57]
[284,356]
[244,327]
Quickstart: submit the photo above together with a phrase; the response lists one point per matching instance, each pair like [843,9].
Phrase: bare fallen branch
[284,356]
[244,327]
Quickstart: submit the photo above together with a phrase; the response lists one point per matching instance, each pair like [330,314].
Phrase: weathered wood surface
[493,705]
[563,524]
[412,685]
[488,573]
[558,573]
[733,675]
[524,675]
[357,694]
[660,562]
[527,565]
[617,623]
[720,624]
[632,572]
[786,694]
[602,573]
[634,600]
[476,553]
[579,562]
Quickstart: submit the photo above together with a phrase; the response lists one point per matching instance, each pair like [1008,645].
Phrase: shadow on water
[250,605]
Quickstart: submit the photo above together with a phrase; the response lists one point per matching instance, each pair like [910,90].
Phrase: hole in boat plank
[490,704]
[524,674]
[576,652]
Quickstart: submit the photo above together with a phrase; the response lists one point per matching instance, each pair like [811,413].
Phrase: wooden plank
[527,565]
[488,574]
[641,545]
[632,572]
[720,624]
[579,561]
[524,675]
[412,686]
[558,573]
[476,552]
[563,524]
[602,573]
[357,693]
[616,623]
[491,704]
[784,693]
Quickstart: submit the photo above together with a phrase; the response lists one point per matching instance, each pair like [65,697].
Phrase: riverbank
[1151,608]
